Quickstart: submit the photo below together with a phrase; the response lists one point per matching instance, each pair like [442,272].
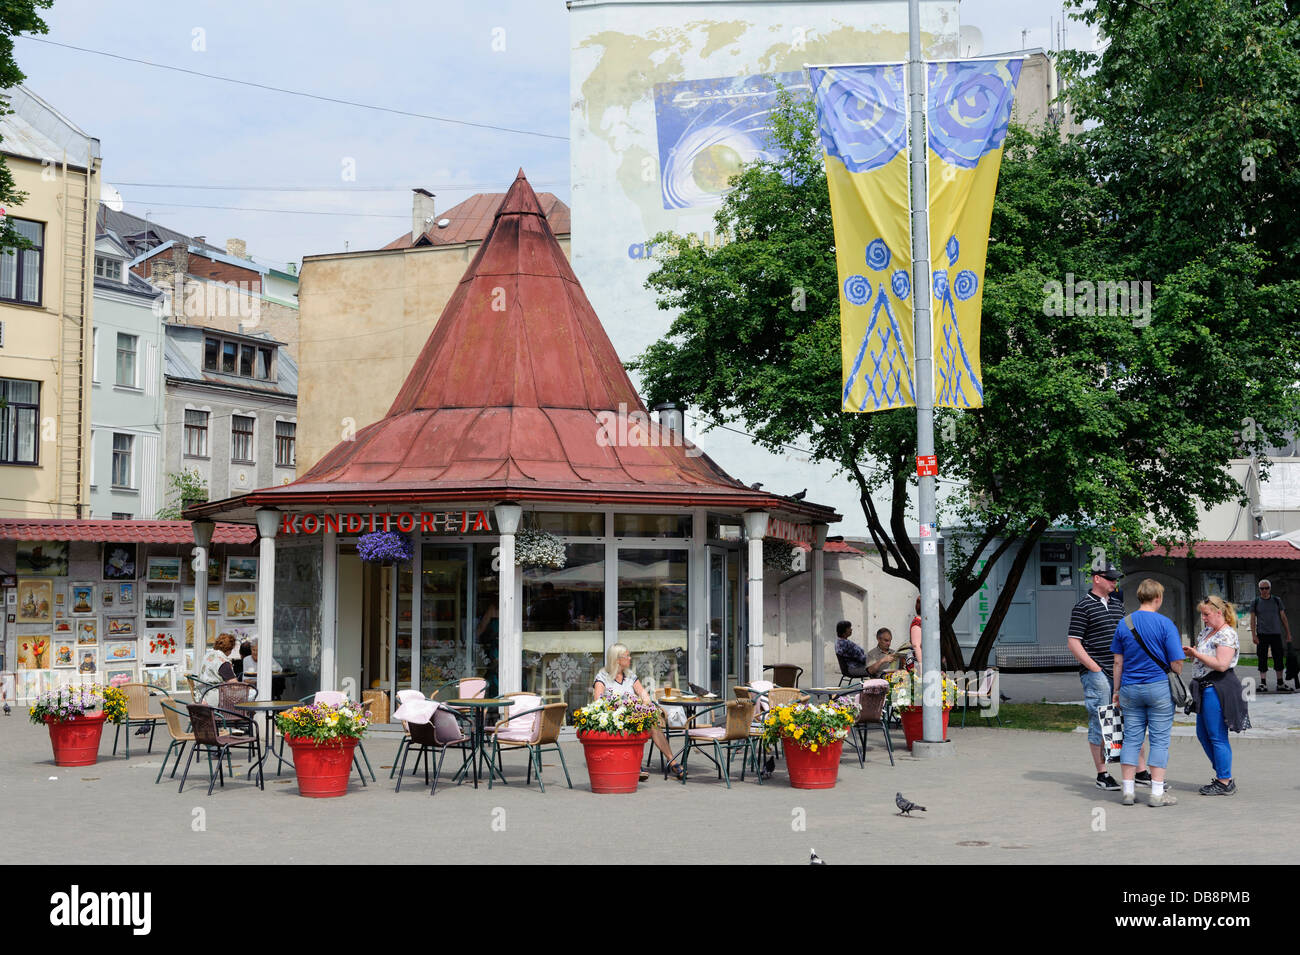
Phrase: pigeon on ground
[905,805]
[769,767]
[814,859]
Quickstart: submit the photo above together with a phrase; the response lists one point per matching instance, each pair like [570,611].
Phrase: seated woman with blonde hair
[617,677]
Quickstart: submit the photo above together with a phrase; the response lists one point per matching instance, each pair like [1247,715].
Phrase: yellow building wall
[36,348]
[363,319]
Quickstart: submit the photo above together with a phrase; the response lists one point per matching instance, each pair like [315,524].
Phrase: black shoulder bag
[1177,688]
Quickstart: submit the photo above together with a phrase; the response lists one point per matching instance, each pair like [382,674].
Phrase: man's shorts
[1097,691]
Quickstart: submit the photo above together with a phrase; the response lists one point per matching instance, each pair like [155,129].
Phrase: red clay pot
[76,740]
[322,768]
[613,762]
[912,724]
[809,770]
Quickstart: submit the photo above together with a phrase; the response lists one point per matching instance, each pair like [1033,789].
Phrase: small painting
[58,601]
[239,633]
[65,653]
[33,652]
[88,632]
[119,651]
[241,605]
[164,570]
[11,618]
[118,675]
[161,646]
[214,570]
[106,597]
[126,594]
[63,626]
[159,606]
[241,568]
[189,632]
[87,659]
[189,661]
[83,598]
[29,684]
[119,562]
[11,598]
[119,626]
[43,558]
[164,678]
[35,600]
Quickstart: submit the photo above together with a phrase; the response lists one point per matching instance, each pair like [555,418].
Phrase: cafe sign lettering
[426,522]
[789,531]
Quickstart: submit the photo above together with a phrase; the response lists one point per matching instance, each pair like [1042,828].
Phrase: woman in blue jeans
[1220,703]
[1142,689]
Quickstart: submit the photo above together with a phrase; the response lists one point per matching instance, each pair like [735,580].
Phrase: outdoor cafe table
[479,742]
[269,708]
[833,692]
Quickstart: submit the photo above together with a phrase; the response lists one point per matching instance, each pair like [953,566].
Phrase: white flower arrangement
[534,548]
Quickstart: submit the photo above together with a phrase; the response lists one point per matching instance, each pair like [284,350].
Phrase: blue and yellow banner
[862,116]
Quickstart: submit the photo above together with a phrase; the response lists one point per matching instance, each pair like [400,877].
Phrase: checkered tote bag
[1112,731]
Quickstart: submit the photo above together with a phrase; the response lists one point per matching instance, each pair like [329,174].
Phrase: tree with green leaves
[1114,425]
[16,18]
[184,489]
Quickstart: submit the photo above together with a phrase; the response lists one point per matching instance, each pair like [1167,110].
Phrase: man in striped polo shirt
[1092,628]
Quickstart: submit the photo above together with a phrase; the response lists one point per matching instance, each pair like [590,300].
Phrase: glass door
[446,645]
[726,644]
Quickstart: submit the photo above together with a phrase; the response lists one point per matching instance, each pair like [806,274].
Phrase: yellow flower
[814,747]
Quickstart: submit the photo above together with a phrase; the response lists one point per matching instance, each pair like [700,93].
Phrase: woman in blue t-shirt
[1142,689]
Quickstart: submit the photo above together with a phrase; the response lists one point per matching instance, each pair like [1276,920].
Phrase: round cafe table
[834,692]
[479,743]
[269,708]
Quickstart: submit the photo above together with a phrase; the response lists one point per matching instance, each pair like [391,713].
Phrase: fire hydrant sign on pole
[927,465]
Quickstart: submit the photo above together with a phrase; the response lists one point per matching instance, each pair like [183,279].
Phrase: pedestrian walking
[1092,628]
[1142,642]
[1268,625]
[1219,699]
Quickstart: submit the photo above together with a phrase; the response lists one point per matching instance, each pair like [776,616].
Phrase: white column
[510,658]
[755,528]
[268,522]
[818,592]
[202,547]
[697,653]
[329,579]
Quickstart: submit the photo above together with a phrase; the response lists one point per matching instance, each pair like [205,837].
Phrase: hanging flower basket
[539,550]
[385,547]
[778,555]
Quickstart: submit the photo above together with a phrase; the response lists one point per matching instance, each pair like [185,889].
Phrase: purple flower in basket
[385,547]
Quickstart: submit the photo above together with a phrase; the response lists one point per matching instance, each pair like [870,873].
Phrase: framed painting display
[106,597]
[87,659]
[64,626]
[119,562]
[116,675]
[239,633]
[59,598]
[164,678]
[241,569]
[88,632]
[82,602]
[214,571]
[126,594]
[120,651]
[189,661]
[159,606]
[65,654]
[241,605]
[164,570]
[35,600]
[42,558]
[119,627]
[161,646]
[33,651]
[1214,583]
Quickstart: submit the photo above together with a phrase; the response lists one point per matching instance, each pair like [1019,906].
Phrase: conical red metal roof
[518,393]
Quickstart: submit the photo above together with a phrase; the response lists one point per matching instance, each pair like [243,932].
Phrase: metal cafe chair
[734,732]
[539,734]
[208,736]
[138,714]
[180,737]
[873,710]
[785,674]
[447,729]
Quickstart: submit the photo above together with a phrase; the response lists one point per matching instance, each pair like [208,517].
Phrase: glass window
[123,445]
[229,353]
[126,351]
[652,525]
[246,360]
[196,433]
[264,363]
[107,268]
[652,613]
[241,439]
[564,625]
[211,349]
[20,408]
[570,524]
[284,439]
[123,516]
[20,269]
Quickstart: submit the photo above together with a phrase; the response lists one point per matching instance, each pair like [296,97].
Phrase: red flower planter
[912,724]
[322,768]
[76,740]
[809,770]
[613,762]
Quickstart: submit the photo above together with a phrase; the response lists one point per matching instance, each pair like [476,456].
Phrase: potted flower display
[812,736]
[539,550]
[906,693]
[613,731]
[75,716]
[323,738]
[385,547]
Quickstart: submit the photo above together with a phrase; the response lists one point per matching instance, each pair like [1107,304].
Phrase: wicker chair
[198,688]
[449,729]
[785,674]
[982,694]
[180,736]
[670,732]
[138,713]
[208,736]
[735,731]
[873,704]
[542,735]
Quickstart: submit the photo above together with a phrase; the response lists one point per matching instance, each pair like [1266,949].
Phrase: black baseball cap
[1110,572]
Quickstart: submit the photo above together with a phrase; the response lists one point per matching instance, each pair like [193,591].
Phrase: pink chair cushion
[416,711]
[472,688]
[404,695]
[521,730]
[869,685]
[708,732]
[330,697]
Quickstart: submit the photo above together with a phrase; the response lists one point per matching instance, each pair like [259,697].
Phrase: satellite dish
[443,223]
[971,42]
[110,197]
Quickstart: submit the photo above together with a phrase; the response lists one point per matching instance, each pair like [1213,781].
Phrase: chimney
[237,248]
[421,212]
[200,240]
[670,417]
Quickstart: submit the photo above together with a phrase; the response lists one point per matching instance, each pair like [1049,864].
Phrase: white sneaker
[1130,799]
[1165,799]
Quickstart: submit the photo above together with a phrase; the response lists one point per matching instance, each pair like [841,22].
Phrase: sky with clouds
[498,62]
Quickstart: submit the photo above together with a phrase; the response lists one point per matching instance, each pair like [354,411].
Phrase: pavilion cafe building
[519,417]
